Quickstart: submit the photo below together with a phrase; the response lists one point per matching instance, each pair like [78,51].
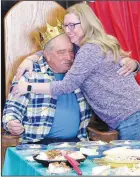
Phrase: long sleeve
[39,53]
[14,107]
[84,64]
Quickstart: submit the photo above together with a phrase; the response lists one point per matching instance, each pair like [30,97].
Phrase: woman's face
[73,28]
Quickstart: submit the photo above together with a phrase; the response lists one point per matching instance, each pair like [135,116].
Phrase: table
[16,164]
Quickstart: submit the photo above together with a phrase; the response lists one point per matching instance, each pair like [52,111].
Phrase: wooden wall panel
[20,23]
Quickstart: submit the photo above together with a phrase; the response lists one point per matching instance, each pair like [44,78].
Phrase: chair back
[20,23]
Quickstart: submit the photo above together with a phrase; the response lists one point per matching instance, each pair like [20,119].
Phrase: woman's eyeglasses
[71,26]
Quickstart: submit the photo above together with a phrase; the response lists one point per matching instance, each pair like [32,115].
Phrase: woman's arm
[27,64]
[22,88]
[83,65]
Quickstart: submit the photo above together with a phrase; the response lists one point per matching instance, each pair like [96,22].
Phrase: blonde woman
[114,98]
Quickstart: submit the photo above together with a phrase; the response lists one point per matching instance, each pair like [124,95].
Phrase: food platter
[106,170]
[59,168]
[122,156]
[60,158]
[123,151]
[47,162]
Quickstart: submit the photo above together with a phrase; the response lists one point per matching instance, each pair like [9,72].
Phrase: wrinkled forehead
[71,18]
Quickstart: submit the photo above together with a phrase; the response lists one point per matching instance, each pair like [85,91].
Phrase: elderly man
[40,118]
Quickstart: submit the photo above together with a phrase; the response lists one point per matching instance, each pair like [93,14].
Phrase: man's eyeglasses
[71,26]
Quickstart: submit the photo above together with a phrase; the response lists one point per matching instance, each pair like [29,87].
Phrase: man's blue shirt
[67,116]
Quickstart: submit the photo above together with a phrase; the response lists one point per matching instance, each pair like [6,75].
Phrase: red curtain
[122,20]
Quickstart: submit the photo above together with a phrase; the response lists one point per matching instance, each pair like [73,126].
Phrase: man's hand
[128,65]
[27,64]
[20,89]
[15,127]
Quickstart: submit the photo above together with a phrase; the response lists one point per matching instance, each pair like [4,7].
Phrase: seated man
[40,118]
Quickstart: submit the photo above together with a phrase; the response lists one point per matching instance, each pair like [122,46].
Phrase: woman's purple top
[112,97]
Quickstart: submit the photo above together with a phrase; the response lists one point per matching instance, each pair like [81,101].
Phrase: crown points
[50,33]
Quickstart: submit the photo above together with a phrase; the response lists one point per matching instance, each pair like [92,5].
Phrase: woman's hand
[27,64]
[128,66]
[20,89]
[37,88]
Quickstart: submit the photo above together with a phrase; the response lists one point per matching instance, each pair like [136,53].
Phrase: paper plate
[31,146]
[91,153]
[91,143]
[94,156]
[124,142]
[62,145]
[103,161]
[121,164]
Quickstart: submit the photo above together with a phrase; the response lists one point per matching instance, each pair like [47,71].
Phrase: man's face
[61,57]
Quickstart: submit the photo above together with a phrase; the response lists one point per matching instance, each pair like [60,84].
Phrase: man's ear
[47,55]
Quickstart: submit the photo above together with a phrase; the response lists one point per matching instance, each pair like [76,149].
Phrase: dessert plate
[31,146]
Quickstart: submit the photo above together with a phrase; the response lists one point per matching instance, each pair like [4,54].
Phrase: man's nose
[69,56]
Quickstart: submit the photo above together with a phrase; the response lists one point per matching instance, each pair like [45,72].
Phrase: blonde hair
[94,31]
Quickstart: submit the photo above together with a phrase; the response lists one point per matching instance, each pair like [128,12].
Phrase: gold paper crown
[50,33]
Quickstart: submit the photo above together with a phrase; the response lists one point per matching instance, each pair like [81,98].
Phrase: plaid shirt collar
[44,67]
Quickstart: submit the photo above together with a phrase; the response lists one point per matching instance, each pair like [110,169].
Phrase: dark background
[5,7]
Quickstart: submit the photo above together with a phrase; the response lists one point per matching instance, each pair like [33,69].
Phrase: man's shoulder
[41,65]
[40,72]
